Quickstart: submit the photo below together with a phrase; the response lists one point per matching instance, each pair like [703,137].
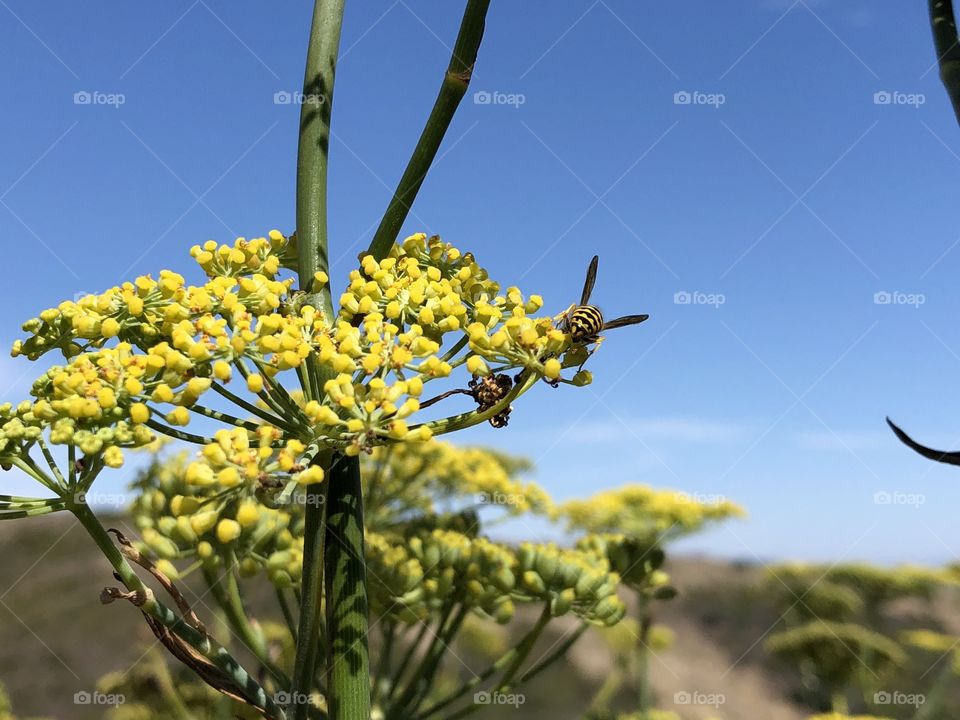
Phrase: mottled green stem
[348,663]
[945,40]
[452,89]
[200,642]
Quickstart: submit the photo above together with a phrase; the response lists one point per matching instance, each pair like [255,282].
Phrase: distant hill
[56,639]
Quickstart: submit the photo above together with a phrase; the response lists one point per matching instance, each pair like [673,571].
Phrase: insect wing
[589,282]
[624,321]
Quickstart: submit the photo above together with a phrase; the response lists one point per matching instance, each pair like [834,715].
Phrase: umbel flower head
[644,512]
[147,356]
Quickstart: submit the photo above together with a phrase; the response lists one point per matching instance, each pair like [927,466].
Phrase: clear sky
[781,198]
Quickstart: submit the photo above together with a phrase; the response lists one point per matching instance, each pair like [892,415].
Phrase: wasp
[584,322]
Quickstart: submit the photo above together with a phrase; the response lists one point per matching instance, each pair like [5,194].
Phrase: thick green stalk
[348,663]
[311,601]
[452,89]
[219,656]
[312,163]
[945,40]
[314,146]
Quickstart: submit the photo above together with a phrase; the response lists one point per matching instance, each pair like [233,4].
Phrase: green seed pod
[503,611]
[561,602]
[249,567]
[534,583]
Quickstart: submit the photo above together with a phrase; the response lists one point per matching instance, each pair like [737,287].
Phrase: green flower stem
[475,417]
[452,89]
[524,648]
[253,409]
[512,660]
[271,401]
[35,511]
[348,663]
[224,418]
[26,464]
[557,653]
[420,680]
[407,658]
[176,434]
[944,26]
[311,600]
[287,613]
[48,456]
[388,633]
[313,151]
[27,501]
[227,595]
[200,642]
[643,654]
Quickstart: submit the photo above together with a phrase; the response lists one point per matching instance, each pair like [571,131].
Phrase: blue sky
[782,198]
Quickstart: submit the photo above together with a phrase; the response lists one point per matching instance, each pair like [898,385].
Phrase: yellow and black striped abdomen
[585,322]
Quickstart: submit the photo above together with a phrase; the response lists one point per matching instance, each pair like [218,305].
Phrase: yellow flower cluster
[403,479]
[156,342]
[569,580]
[182,517]
[641,511]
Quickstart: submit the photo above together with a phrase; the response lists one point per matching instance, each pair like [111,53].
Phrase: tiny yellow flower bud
[228,531]
[255,383]
[139,413]
[178,416]
[221,370]
[113,457]
[109,328]
[248,514]
[551,369]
